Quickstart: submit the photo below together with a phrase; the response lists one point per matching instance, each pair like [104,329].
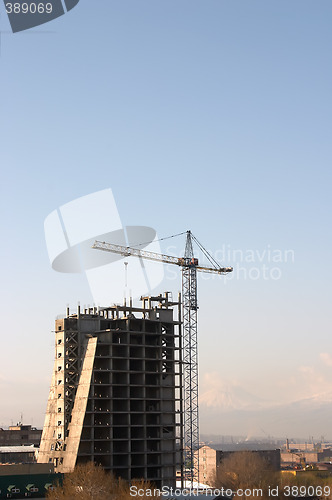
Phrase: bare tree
[244,470]
[92,482]
[86,482]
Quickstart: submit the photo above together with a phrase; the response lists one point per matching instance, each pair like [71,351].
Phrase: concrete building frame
[116,391]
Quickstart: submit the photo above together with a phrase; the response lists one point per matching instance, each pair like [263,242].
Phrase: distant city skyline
[213,117]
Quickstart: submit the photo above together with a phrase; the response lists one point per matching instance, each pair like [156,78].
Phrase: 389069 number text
[29,8]
[307,491]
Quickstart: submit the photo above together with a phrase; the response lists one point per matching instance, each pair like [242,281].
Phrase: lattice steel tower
[190,362]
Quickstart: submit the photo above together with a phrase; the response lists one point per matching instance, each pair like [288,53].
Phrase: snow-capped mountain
[235,411]
[230,397]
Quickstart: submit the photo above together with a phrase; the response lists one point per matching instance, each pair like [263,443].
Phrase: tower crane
[190,266]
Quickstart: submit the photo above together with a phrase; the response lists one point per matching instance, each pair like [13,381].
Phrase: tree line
[247,474]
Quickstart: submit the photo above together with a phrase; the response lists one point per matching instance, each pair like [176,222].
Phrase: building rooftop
[18,449]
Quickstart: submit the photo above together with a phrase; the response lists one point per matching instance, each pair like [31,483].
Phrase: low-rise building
[27,480]
[19,434]
[18,454]
[306,457]
[210,459]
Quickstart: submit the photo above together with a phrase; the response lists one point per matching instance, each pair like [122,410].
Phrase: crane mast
[190,363]
[189,266]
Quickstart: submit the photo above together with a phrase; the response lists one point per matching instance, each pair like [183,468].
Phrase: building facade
[18,454]
[270,457]
[210,459]
[207,464]
[20,434]
[27,480]
[116,396]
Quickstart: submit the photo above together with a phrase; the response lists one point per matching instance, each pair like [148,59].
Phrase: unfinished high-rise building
[116,396]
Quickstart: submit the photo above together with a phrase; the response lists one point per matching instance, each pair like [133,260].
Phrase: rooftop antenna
[126,282]
[126,273]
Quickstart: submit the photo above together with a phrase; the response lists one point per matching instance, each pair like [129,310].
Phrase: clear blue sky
[210,115]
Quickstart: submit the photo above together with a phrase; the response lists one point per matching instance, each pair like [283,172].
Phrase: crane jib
[185,262]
